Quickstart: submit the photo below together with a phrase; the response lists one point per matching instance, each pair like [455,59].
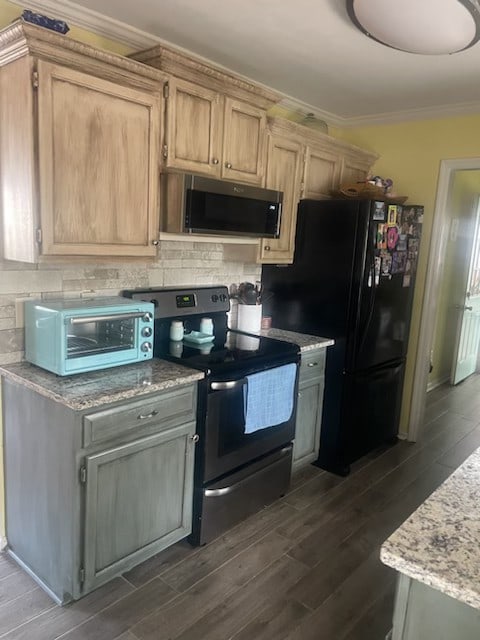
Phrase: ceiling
[308,50]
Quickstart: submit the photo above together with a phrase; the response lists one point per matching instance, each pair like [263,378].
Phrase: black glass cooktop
[229,352]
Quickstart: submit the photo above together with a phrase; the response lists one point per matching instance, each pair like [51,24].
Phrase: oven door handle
[228,384]
[223,491]
[110,316]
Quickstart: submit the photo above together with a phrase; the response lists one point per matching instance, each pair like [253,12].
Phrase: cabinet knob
[312,364]
[214,160]
[228,165]
[195,438]
[155,243]
[267,247]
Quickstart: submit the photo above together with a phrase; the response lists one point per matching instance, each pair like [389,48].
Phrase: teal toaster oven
[75,336]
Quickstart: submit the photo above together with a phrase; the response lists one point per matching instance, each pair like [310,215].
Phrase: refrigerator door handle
[369,277]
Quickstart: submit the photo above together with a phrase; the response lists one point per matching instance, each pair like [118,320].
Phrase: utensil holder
[249,318]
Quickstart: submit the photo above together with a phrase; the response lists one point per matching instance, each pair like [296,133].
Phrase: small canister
[206,326]
[176,330]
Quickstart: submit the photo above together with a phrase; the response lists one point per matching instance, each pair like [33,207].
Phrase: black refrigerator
[352,279]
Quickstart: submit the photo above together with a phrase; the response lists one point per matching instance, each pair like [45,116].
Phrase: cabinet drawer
[312,365]
[166,410]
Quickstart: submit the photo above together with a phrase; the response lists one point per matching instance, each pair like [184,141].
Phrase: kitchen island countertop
[438,544]
[305,341]
[86,390]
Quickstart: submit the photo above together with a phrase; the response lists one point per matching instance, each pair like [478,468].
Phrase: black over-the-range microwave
[218,207]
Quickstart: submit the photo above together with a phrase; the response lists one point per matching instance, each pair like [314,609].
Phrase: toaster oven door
[106,339]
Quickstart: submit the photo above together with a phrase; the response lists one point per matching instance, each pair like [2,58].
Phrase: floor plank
[205,595]
[59,620]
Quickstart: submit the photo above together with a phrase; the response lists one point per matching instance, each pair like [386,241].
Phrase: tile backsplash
[178,263]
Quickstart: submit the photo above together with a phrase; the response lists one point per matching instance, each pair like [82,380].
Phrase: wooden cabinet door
[244,142]
[138,500]
[193,134]
[322,173]
[311,384]
[309,417]
[284,173]
[353,171]
[98,165]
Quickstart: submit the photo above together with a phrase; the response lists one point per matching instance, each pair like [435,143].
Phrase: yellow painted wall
[410,154]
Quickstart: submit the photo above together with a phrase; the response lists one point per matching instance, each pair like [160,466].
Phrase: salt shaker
[206,326]
[176,330]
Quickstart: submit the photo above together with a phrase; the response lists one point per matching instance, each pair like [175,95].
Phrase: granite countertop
[305,342]
[86,390]
[439,544]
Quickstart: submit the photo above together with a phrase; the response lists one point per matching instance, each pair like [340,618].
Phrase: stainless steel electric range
[237,472]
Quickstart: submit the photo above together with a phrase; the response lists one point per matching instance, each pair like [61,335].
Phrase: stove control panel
[183,301]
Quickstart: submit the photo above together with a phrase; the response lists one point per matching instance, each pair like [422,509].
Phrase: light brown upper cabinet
[322,172]
[81,150]
[193,134]
[215,120]
[305,164]
[207,133]
[354,169]
[245,133]
[284,172]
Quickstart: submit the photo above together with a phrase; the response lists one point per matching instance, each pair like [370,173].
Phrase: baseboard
[3,543]
[437,383]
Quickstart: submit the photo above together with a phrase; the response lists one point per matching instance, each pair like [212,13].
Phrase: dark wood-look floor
[305,568]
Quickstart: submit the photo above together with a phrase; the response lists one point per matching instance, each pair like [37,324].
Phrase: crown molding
[411,115]
[92,21]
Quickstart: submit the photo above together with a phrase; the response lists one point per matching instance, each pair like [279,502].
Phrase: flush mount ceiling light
[419,26]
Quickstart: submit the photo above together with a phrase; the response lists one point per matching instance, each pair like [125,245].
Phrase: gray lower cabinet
[91,494]
[423,613]
[309,409]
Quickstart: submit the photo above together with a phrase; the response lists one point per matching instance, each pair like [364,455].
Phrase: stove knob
[147,332]
[214,298]
[147,317]
[146,347]
[223,297]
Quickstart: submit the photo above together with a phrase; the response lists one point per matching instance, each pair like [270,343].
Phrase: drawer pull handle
[312,364]
[147,415]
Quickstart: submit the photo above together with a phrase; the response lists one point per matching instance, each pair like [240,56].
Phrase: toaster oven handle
[111,316]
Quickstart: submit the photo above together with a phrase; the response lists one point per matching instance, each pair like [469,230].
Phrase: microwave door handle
[279,220]
[112,316]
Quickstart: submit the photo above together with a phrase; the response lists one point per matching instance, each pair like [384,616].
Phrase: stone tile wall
[179,263]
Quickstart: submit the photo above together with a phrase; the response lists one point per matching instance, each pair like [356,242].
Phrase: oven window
[99,337]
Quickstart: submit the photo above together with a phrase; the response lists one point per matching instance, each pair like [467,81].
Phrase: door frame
[430,299]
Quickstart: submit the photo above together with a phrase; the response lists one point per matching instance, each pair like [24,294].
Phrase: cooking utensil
[247,293]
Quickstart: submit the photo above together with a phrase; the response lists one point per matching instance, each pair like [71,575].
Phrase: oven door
[226,445]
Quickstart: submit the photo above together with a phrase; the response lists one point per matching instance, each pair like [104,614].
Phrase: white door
[468,322]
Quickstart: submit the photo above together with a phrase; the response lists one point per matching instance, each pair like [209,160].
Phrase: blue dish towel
[268,397]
